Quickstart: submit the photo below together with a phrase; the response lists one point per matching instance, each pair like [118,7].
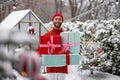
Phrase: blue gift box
[71,39]
[60,60]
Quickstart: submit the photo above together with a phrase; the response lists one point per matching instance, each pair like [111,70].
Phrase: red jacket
[62,69]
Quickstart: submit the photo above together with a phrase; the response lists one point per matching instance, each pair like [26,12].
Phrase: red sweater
[54,32]
[62,69]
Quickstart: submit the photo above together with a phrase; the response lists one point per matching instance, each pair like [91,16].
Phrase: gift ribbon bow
[50,45]
[67,45]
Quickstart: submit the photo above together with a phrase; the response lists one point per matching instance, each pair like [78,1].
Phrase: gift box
[71,41]
[50,45]
[60,60]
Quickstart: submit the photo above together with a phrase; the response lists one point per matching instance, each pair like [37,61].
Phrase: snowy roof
[15,17]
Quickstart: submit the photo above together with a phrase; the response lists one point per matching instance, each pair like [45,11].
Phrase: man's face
[57,21]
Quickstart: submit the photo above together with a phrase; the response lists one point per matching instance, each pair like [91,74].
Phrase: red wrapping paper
[50,45]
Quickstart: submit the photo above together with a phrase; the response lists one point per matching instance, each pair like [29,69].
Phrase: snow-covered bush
[99,35]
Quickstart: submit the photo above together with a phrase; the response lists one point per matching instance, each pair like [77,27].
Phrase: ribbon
[50,45]
[67,45]
[67,59]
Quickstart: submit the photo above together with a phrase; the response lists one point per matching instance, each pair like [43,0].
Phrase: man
[57,20]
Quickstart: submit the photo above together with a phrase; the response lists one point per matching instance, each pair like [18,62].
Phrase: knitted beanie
[57,14]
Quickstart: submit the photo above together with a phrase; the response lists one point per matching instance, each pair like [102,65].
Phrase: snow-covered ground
[74,74]
[85,75]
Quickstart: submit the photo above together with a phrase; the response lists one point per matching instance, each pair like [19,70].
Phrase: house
[20,21]
[24,21]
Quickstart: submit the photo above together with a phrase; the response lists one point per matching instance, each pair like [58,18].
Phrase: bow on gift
[67,45]
[50,45]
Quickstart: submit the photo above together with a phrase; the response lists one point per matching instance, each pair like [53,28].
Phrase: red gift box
[50,45]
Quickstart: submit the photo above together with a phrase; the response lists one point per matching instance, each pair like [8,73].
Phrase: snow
[16,16]
[74,74]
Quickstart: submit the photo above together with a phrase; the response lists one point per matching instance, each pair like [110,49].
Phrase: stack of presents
[60,50]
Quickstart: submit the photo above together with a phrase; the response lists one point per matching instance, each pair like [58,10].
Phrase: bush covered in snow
[99,35]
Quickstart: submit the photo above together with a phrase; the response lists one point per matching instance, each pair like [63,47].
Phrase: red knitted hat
[57,14]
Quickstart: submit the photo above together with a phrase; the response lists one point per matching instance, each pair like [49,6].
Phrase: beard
[57,25]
